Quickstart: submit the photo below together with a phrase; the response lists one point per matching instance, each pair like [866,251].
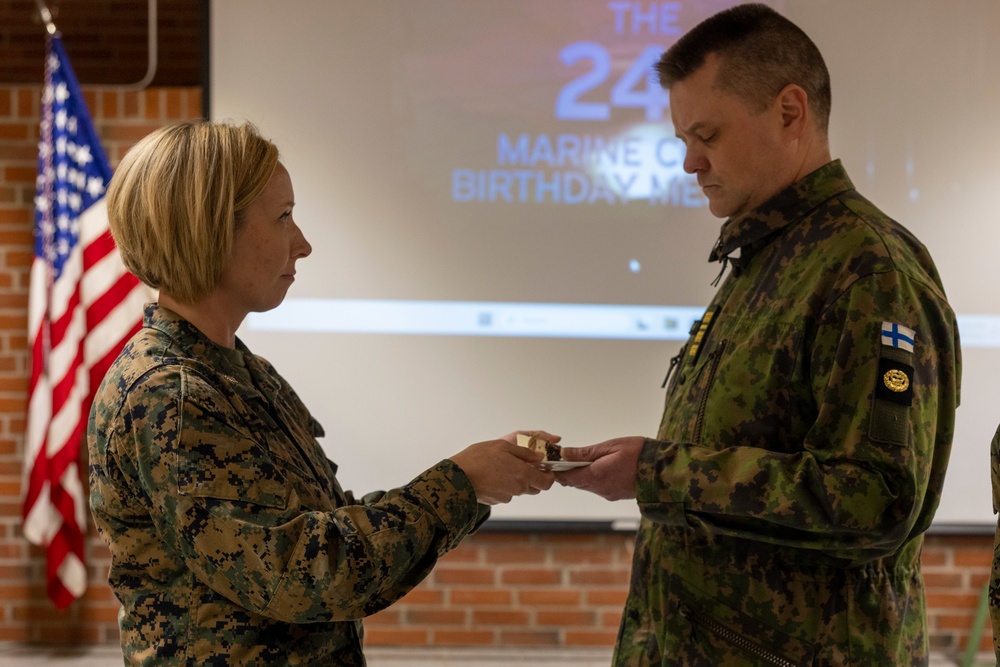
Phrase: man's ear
[793,103]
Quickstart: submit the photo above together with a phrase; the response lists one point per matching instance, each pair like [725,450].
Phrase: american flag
[82,308]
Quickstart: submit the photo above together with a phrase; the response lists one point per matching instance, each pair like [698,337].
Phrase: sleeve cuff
[446,491]
[659,496]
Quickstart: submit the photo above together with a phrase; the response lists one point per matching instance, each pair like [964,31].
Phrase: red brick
[499,617]
[17,216]
[174,104]
[946,580]
[511,539]
[21,151]
[530,577]
[12,551]
[13,301]
[100,594]
[955,621]
[933,557]
[130,133]
[514,554]
[100,613]
[599,577]
[14,633]
[541,598]
[5,105]
[151,97]
[480,598]
[13,404]
[454,575]
[611,619]
[952,600]
[9,490]
[90,99]
[588,555]
[463,638]
[967,558]
[14,592]
[529,638]
[16,130]
[130,101]
[565,618]
[24,238]
[20,174]
[462,554]
[110,104]
[614,598]
[436,617]
[29,103]
[194,103]
[978,580]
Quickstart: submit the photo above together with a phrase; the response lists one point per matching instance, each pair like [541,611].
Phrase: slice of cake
[550,450]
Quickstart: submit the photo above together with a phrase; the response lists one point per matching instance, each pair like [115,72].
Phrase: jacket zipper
[738,640]
[714,358]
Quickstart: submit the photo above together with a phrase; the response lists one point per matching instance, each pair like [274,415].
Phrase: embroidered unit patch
[896,335]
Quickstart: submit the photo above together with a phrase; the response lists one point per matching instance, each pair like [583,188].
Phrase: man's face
[740,157]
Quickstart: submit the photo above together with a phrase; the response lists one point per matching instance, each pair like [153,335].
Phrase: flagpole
[152,61]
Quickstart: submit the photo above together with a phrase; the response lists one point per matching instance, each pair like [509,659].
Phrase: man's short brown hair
[760,53]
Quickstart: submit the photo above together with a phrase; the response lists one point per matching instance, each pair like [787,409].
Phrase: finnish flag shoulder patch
[896,335]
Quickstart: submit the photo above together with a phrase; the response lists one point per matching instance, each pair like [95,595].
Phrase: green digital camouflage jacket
[802,450]
[231,540]
[994,596]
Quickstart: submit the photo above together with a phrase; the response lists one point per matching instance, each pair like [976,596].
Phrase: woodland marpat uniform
[231,541]
[802,450]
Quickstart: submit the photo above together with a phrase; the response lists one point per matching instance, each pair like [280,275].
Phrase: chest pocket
[292,443]
[745,388]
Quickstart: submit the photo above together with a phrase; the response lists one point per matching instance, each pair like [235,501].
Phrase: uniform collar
[784,208]
[199,346]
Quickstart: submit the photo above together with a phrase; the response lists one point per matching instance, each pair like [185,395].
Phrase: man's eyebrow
[694,128]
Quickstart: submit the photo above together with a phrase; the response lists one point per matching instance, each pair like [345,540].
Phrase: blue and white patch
[896,335]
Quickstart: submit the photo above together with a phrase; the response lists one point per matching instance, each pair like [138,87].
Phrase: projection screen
[503,235]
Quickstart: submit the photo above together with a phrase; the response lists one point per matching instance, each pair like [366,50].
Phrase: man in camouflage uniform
[995,575]
[809,417]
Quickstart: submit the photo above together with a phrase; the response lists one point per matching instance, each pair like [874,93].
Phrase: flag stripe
[81,310]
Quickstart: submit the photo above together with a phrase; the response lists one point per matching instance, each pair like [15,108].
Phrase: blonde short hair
[176,199]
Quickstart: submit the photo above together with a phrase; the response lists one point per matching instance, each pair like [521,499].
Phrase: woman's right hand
[500,470]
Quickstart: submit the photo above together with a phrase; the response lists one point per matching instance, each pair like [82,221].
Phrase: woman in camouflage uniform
[231,540]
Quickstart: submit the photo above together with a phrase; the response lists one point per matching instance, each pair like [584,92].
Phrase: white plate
[559,466]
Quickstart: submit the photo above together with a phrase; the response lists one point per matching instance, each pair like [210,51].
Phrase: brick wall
[121,118]
[106,40]
[496,589]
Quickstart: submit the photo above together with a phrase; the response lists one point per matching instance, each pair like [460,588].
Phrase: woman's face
[265,248]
